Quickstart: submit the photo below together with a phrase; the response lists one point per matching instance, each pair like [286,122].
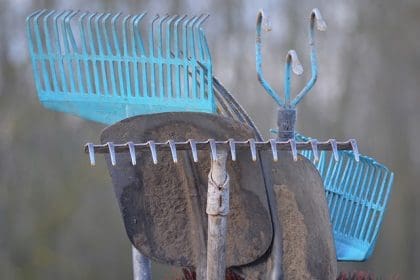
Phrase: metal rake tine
[173,150]
[258,61]
[132,150]
[315,19]
[135,40]
[353,144]
[232,149]
[152,146]
[91,149]
[274,149]
[193,146]
[333,143]
[111,148]
[213,149]
[292,64]
[292,143]
[253,149]
[314,145]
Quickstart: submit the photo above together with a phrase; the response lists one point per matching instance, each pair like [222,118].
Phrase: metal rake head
[101,66]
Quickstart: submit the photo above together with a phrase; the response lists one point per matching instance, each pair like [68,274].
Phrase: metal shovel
[163,204]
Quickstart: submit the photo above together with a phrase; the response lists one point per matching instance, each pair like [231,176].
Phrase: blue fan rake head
[106,67]
[357,190]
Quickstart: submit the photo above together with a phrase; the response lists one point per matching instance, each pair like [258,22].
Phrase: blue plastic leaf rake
[101,67]
[357,187]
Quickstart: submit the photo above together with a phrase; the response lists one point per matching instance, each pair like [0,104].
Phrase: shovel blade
[163,205]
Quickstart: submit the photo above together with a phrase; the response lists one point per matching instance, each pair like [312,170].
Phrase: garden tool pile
[196,184]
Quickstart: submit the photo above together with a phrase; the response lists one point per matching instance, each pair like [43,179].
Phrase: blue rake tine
[292,64]
[185,32]
[135,44]
[64,26]
[107,21]
[177,56]
[160,56]
[192,52]
[351,224]
[209,68]
[258,62]
[49,48]
[30,35]
[371,174]
[168,55]
[139,40]
[201,53]
[41,51]
[152,54]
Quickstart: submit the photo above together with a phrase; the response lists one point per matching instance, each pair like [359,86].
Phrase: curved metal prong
[132,150]
[314,146]
[253,149]
[193,149]
[172,146]
[91,149]
[353,144]
[274,149]
[111,149]
[213,149]
[152,147]
[292,143]
[258,62]
[333,143]
[315,19]
[292,64]
[232,149]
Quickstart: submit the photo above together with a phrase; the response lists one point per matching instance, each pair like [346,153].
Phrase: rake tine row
[98,34]
[232,145]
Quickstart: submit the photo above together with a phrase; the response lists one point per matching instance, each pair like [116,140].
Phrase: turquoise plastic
[357,194]
[100,67]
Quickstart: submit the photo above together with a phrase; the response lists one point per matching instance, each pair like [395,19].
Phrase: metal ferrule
[286,119]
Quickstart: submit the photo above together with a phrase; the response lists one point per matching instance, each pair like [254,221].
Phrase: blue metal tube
[258,61]
[315,19]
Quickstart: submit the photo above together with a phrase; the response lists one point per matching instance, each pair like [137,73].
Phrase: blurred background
[58,216]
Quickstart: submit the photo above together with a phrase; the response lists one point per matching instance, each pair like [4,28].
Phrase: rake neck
[286,119]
